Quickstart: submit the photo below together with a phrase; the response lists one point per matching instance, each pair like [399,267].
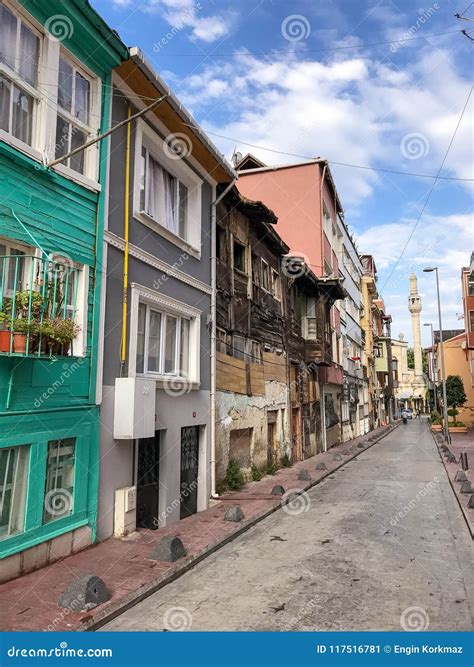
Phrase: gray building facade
[157,377]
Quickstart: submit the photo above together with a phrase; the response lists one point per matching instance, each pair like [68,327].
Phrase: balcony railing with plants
[38,304]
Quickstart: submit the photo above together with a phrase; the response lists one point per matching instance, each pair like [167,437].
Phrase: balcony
[319,351]
[38,306]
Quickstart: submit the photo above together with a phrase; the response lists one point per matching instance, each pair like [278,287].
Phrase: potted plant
[5,332]
[21,330]
[62,334]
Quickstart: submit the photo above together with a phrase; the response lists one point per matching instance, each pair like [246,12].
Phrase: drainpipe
[126,221]
[213,334]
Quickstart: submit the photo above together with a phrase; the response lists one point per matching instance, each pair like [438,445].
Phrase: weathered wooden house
[252,421]
[309,354]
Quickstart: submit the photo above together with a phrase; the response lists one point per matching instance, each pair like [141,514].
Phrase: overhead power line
[322,50]
[425,204]
[342,164]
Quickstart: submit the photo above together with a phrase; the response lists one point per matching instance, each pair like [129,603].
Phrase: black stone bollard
[169,549]
[466,487]
[470,502]
[304,475]
[460,476]
[321,466]
[234,514]
[278,490]
[85,592]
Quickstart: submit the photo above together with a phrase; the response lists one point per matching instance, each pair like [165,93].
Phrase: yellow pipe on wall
[125,236]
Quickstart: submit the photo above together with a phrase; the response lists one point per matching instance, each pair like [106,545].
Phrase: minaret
[414,306]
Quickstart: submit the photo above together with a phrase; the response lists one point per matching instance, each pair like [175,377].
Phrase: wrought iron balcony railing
[38,305]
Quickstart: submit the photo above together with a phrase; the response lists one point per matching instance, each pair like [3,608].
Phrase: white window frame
[18,495]
[168,306]
[148,137]
[266,268]
[45,108]
[19,82]
[275,284]
[91,156]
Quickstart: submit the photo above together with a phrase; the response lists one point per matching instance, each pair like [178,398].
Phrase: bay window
[19,57]
[13,486]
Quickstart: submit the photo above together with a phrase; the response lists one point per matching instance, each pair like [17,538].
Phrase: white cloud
[348,109]
[442,241]
[187,14]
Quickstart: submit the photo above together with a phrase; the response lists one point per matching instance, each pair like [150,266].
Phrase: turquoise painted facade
[49,420]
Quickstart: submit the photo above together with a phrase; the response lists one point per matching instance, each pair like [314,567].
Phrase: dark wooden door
[189,470]
[148,482]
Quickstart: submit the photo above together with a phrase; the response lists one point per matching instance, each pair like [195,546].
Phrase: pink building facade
[305,201]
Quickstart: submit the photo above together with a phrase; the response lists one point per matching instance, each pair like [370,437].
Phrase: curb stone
[451,482]
[187,563]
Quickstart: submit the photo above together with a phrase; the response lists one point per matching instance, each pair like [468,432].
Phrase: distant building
[412,390]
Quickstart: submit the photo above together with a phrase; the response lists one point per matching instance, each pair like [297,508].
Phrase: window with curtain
[73,118]
[13,485]
[163,196]
[163,343]
[19,54]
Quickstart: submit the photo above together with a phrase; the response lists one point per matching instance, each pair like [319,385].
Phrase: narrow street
[381,536]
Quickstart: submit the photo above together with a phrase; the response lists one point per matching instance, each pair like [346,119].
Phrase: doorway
[272,446]
[189,470]
[148,482]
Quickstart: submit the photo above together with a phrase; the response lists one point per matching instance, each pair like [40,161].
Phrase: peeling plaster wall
[239,411]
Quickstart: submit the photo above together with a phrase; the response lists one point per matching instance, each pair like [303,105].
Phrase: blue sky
[255,71]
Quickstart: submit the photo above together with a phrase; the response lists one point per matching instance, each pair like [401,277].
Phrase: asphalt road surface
[379,545]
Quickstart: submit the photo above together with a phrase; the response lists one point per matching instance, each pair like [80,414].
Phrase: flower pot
[5,338]
[19,343]
[458,429]
[436,427]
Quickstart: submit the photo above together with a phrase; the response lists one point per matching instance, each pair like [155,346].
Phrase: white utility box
[135,403]
[125,518]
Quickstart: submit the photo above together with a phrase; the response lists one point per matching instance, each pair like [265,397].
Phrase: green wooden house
[56,61]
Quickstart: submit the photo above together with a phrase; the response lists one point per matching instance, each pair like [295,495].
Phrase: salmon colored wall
[294,195]
[456,362]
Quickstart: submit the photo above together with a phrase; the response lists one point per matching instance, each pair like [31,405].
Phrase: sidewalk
[31,602]
[460,442]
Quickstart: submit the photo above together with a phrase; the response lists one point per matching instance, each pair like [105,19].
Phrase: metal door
[189,470]
[148,482]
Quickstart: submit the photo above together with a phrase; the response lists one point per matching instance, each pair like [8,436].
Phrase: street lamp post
[433,363]
[430,269]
